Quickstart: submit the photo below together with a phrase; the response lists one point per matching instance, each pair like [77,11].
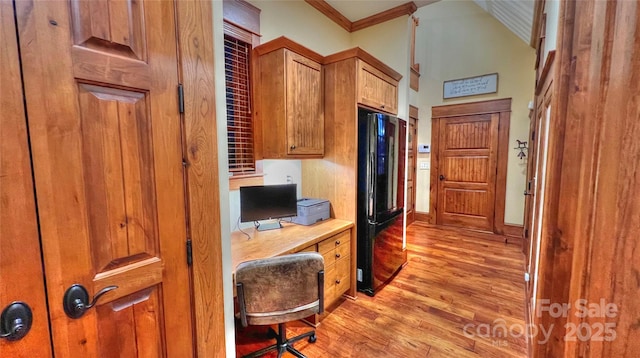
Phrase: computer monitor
[266,202]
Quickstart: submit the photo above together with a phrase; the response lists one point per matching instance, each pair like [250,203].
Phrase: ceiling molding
[404,9]
[330,12]
[335,15]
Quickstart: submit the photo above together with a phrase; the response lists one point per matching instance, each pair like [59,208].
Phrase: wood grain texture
[334,177]
[384,16]
[453,278]
[289,105]
[465,109]
[594,221]
[283,42]
[202,177]
[467,171]
[423,217]
[376,89]
[291,238]
[305,106]
[21,276]
[414,80]
[363,55]
[242,14]
[375,19]
[546,70]
[441,114]
[513,230]
[135,134]
[330,12]
[501,175]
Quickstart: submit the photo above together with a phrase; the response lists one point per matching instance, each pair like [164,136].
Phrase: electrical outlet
[359,275]
[289,179]
[526,277]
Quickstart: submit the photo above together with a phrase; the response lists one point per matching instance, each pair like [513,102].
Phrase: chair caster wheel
[312,339]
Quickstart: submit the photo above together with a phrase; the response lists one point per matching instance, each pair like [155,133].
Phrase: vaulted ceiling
[516,15]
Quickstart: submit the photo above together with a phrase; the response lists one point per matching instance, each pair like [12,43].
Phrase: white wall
[275,172]
[552,9]
[457,39]
[223,167]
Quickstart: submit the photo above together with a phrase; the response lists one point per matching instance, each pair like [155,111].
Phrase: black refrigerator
[380,216]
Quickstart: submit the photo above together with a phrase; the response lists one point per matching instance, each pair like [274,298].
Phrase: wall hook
[522,146]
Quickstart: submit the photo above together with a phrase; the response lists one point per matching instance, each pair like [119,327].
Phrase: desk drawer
[333,255]
[333,242]
[342,275]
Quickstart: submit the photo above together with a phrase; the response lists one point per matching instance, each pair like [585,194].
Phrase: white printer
[310,211]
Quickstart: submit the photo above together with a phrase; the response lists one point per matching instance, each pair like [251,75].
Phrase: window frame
[242,22]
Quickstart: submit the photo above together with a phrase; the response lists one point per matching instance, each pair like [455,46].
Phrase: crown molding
[335,15]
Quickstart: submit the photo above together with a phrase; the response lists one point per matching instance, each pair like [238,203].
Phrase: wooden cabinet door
[467,171]
[305,109]
[377,90]
[21,277]
[100,82]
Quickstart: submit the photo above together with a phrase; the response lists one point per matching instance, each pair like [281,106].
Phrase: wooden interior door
[21,277]
[467,171]
[305,108]
[100,83]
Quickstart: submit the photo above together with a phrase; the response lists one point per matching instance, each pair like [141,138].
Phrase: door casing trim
[503,108]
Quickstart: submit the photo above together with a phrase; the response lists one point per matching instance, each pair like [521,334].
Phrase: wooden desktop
[333,238]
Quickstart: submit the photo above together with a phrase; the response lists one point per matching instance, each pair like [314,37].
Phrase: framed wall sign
[470,86]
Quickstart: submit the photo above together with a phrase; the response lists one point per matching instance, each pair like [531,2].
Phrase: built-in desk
[332,238]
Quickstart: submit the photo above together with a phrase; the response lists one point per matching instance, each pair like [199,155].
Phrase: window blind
[238,101]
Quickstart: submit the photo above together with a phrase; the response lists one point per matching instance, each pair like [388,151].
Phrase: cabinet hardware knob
[337,242]
[338,282]
[337,256]
[293,146]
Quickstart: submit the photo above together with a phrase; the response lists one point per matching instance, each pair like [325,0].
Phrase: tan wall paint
[458,39]
[301,23]
[390,43]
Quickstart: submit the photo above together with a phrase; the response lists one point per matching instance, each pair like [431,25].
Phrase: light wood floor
[454,279]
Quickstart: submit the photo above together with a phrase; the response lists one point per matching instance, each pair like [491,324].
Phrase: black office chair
[278,290]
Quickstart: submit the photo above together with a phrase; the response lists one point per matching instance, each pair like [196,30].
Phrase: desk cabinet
[336,251]
[337,266]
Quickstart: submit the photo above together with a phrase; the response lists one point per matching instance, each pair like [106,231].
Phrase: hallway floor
[456,288]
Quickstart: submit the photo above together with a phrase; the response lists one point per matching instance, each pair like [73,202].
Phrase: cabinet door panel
[377,90]
[305,113]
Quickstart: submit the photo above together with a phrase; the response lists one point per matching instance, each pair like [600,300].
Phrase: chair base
[283,344]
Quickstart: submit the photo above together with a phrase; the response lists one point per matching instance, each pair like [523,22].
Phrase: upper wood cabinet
[289,105]
[376,89]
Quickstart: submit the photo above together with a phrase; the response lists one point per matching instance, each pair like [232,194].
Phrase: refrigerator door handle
[371,193]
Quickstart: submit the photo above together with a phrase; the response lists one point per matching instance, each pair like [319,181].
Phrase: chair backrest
[280,289]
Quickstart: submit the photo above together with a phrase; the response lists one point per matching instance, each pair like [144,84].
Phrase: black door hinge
[180,98]
[189,253]
[533,135]
[526,233]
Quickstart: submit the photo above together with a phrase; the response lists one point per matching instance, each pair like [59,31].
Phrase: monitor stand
[268,225]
